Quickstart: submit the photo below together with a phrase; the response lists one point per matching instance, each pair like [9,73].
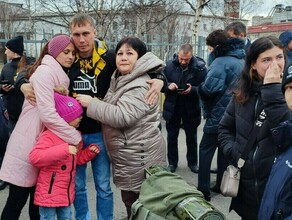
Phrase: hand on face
[273,73]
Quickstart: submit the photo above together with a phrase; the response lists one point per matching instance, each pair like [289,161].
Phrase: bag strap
[253,135]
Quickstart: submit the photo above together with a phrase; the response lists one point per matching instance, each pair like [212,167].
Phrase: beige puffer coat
[130,125]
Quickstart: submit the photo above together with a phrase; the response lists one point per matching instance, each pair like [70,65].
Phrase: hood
[285,38]
[231,47]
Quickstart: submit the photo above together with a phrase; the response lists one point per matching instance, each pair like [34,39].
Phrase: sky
[269,4]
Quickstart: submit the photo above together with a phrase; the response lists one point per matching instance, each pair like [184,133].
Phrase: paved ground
[220,202]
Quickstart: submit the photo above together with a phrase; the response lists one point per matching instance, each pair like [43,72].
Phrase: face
[184,58]
[288,94]
[10,54]
[83,37]
[125,59]
[76,122]
[67,56]
[265,59]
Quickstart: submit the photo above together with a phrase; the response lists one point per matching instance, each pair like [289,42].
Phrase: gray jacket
[130,125]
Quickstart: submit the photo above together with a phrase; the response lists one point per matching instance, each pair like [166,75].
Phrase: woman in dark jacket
[259,88]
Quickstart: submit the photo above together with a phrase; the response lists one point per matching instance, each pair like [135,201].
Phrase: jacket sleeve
[278,114]
[130,108]
[84,155]
[21,79]
[46,152]
[43,84]
[227,132]
[215,80]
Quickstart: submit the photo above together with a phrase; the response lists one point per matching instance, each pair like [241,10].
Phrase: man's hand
[172,86]
[84,100]
[187,91]
[153,93]
[7,87]
[28,92]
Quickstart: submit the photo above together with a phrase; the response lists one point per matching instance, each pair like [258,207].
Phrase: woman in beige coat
[129,125]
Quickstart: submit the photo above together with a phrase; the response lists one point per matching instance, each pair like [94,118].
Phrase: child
[57,161]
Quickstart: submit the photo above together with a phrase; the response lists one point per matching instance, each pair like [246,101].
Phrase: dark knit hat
[15,45]
[285,38]
[67,107]
[287,76]
[58,43]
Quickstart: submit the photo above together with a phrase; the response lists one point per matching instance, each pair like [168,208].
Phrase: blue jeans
[101,174]
[49,213]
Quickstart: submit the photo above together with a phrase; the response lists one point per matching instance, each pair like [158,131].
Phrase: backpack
[277,199]
[166,195]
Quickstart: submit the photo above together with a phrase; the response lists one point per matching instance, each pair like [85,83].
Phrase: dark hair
[138,45]
[249,77]
[237,27]
[217,37]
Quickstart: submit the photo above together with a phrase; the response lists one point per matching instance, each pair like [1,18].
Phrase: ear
[95,32]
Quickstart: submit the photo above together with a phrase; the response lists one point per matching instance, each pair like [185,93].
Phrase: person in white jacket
[45,74]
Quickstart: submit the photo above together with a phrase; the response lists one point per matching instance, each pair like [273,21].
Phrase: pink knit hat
[68,108]
[58,43]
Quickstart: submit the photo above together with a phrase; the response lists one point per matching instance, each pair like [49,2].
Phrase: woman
[48,72]
[259,87]
[129,124]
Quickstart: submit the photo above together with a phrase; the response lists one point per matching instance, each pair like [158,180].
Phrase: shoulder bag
[231,176]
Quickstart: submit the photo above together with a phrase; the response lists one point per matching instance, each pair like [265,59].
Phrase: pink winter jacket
[56,180]
[16,168]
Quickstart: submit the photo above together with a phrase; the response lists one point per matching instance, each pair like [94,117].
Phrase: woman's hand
[62,90]
[28,92]
[273,74]
[154,91]
[84,100]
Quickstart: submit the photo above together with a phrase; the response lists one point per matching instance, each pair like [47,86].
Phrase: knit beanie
[287,76]
[285,38]
[15,45]
[67,107]
[58,43]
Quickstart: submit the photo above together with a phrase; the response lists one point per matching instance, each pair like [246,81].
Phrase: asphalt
[217,200]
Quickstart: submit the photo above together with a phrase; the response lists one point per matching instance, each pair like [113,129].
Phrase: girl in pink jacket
[48,71]
[57,161]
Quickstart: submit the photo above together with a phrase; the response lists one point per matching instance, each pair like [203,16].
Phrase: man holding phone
[184,74]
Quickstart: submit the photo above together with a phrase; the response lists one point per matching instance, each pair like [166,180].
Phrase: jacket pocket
[52,182]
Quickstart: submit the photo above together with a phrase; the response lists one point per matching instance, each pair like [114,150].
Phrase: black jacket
[234,130]
[194,75]
[13,100]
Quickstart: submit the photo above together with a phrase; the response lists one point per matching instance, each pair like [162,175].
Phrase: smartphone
[180,90]
[3,82]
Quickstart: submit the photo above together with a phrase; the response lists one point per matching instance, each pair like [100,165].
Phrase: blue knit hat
[285,38]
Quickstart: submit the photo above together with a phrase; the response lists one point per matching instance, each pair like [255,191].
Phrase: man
[91,74]
[184,74]
[215,93]
[238,29]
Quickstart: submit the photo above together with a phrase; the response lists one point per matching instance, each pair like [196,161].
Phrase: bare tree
[102,11]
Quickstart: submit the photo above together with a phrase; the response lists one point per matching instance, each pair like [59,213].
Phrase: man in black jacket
[184,74]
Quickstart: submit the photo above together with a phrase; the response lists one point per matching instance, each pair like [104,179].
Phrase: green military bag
[166,195]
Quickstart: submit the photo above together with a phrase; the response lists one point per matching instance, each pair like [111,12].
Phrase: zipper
[70,181]
[52,182]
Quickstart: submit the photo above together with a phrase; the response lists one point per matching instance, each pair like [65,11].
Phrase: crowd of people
[81,102]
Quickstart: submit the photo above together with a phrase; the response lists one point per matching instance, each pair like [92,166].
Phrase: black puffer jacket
[234,130]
